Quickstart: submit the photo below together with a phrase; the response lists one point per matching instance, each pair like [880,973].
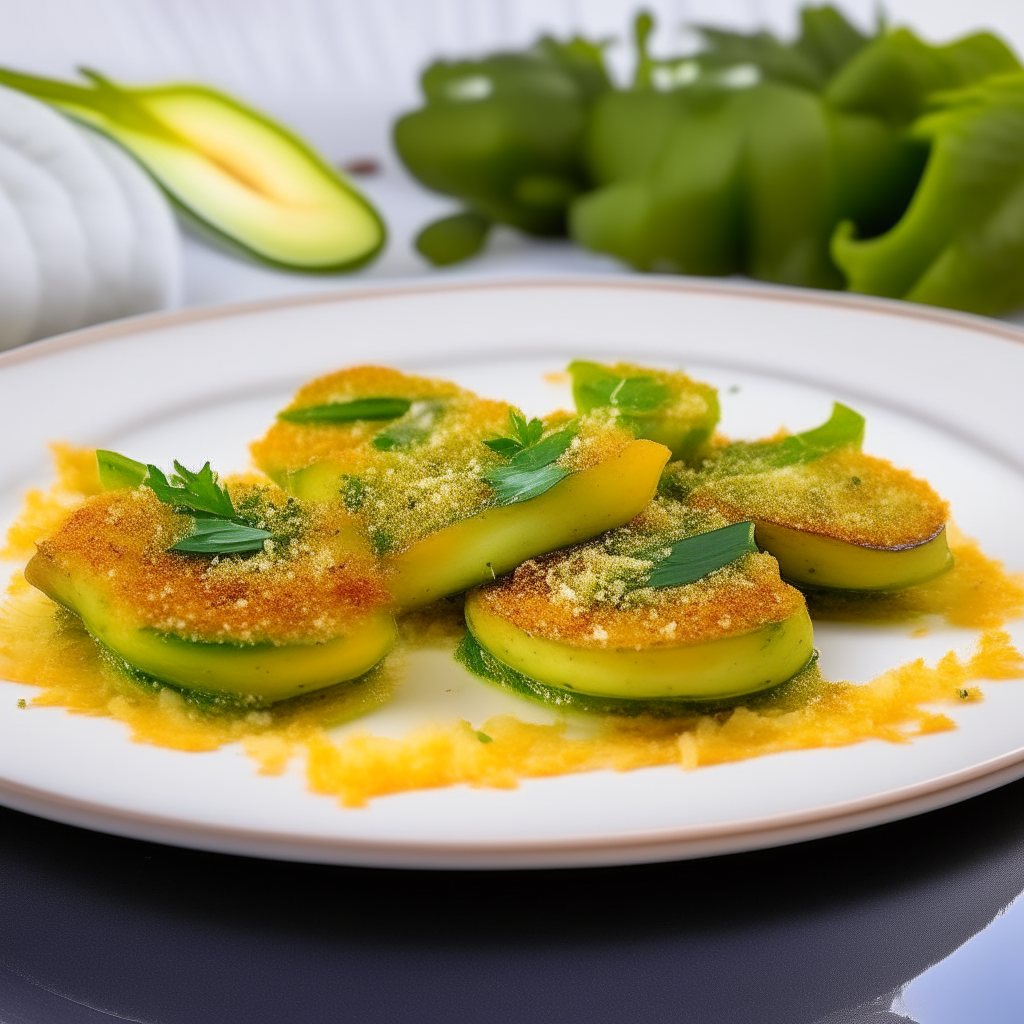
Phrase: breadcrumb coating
[310,583]
[406,493]
[845,495]
[593,595]
[287,447]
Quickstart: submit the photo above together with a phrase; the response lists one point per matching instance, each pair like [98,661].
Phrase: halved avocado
[498,539]
[811,560]
[237,174]
[834,516]
[712,670]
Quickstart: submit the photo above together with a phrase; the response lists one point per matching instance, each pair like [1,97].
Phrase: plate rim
[648,846]
[652,283]
[536,852]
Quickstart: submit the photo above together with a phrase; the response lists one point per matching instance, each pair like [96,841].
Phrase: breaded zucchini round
[587,619]
[832,515]
[307,611]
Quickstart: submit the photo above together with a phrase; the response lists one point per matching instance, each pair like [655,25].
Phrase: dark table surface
[96,928]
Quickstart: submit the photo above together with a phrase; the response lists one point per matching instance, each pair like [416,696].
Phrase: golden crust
[290,446]
[318,588]
[404,494]
[735,600]
[847,496]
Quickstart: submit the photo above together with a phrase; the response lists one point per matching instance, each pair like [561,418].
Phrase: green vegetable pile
[881,164]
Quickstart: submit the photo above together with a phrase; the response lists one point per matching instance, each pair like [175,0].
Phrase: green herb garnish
[595,387]
[695,557]
[353,493]
[413,428]
[222,537]
[200,494]
[218,529]
[347,412]
[522,434]
[531,470]
[843,429]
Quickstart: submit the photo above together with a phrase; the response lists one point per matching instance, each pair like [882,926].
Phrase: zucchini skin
[262,671]
[719,669]
[811,561]
[478,660]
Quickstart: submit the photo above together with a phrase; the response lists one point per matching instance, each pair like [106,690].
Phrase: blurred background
[339,71]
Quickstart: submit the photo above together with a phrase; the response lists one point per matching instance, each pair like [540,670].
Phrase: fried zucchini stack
[457,489]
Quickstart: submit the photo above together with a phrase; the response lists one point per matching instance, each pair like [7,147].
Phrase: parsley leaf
[347,412]
[532,471]
[200,494]
[522,434]
[695,557]
[223,537]
[512,485]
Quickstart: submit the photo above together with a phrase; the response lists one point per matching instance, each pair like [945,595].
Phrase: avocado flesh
[236,174]
[711,670]
[252,183]
[811,560]
[263,670]
[478,549]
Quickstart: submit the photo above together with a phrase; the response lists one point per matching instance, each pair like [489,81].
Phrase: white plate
[941,393]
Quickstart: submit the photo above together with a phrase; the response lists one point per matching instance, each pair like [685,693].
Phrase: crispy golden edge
[735,600]
[888,507]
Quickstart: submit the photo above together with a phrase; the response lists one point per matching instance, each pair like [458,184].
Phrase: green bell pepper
[504,135]
[960,243]
[753,181]
[628,128]
[892,76]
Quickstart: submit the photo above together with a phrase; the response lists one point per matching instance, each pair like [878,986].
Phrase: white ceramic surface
[941,393]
